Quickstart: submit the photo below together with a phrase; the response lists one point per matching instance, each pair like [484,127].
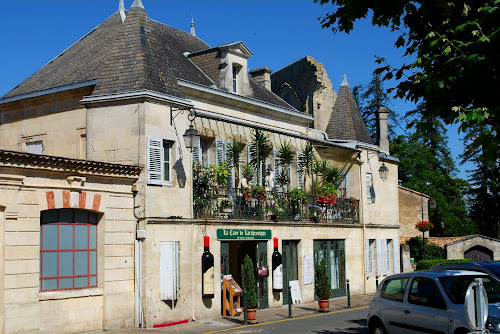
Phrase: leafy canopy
[452,52]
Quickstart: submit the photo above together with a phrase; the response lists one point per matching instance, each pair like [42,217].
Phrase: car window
[424,291]
[394,289]
[456,287]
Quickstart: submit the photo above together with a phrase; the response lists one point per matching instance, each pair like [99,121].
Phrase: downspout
[193,268]
[361,216]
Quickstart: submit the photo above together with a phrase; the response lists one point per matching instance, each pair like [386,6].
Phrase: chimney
[382,130]
[263,76]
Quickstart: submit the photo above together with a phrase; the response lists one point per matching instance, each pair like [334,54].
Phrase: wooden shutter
[249,158]
[155,161]
[345,185]
[379,257]
[395,248]
[219,151]
[300,176]
[169,270]
[368,259]
[230,181]
[197,152]
[383,268]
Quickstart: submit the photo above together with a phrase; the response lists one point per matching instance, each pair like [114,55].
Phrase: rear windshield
[456,288]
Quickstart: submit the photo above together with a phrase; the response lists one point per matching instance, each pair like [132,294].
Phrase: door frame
[329,245]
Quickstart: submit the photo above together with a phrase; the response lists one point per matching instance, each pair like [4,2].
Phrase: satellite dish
[476,305]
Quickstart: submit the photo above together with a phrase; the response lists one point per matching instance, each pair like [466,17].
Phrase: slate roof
[346,122]
[138,54]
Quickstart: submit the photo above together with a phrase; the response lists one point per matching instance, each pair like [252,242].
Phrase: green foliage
[248,282]
[428,264]
[203,179]
[222,171]
[234,151]
[285,155]
[326,173]
[370,99]
[432,252]
[452,58]
[297,195]
[305,161]
[247,170]
[322,286]
[260,148]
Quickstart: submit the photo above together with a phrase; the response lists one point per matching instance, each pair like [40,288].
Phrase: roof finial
[344,81]
[193,32]
[121,9]
[137,3]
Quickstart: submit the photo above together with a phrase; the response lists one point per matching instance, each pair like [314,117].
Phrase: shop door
[224,266]
[334,254]
[290,265]
[262,262]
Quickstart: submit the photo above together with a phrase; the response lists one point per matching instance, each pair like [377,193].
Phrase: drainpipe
[361,217]
[139,313]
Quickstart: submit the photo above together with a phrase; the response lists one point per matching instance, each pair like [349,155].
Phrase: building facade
[124,95]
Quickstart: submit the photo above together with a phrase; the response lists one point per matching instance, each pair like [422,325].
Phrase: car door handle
[407,312]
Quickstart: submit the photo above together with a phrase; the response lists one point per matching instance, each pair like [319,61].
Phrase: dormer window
[236,69]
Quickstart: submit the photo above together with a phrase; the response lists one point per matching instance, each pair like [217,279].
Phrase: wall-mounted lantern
[383,171]
[191,136]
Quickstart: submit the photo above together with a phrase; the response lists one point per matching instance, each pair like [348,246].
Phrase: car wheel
[378,328]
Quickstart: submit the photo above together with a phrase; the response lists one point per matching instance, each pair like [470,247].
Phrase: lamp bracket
[178,110]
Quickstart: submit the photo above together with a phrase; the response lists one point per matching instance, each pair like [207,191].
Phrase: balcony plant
[260,148]
[234,151]
[225,205]
[275,210]
[297,198]
[204,178]
[305,161]
[322,286]
[249,284]
[314,212]
[327,193]
[222,172]
[285,156]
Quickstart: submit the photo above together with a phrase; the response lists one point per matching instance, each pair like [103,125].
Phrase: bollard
[348,295]
[245,320]
[376,282]
[290,301]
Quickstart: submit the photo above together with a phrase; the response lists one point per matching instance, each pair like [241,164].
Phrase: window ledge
[168,183]
[55,295]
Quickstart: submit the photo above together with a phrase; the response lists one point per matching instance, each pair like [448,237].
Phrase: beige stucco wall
[190,236]
[412,206]
[23,194]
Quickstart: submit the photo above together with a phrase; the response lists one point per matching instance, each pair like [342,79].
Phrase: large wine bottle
[207,270]
[277,268]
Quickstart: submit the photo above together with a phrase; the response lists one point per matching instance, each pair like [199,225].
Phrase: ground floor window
[333,252]
[68,249]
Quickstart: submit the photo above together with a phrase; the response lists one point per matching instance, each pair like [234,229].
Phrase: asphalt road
[337,322]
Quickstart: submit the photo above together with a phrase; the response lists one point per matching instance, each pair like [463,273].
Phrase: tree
[260,148]
[285,157]
[248,282]
[370,99]
[452,49]
[485,191]
[234,151]
[305,162]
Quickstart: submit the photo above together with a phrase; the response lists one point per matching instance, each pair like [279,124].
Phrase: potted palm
[249,284]
[322,286]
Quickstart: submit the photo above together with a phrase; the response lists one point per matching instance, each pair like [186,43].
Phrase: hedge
[428,264]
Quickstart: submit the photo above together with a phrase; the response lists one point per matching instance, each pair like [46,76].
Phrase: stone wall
[413,207]
[456,249]
[23,195]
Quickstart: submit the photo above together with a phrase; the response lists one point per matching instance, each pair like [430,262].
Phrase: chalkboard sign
[295,289]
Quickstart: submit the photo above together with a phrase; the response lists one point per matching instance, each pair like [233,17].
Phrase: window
[159,161]
[394,289]
[235,79]
[370,248]
[205,158]
[370,191]
[424,291]
[35,147]
[387,255]
[68,249]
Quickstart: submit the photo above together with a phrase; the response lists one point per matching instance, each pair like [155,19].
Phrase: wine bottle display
[207,270]
[277,268]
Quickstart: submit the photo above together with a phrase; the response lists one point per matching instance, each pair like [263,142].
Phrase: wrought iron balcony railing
[234,203]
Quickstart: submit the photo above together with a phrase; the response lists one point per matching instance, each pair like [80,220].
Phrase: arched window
[68,249]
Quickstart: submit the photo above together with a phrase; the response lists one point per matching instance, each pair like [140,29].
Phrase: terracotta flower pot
[323,304]
[251,314]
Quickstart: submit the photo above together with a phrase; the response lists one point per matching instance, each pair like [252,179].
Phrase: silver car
[429,302]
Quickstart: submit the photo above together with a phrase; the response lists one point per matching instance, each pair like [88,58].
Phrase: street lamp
[432,204]
[383,172]
[191,136]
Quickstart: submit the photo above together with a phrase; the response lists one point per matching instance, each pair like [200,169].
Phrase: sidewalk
[263,316]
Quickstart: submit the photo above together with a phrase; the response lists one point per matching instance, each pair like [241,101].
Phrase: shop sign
[240,234]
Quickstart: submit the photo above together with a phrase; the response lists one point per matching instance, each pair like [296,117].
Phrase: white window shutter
[383,268]
[219,151]
[300,176]
[368,260]
[197,152]
[345,185]
[379,257]
[169,270]
[155,160]
[395,248]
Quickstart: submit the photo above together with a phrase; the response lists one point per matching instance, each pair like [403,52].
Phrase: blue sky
[278,32]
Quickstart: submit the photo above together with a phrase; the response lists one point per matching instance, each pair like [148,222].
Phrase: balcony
[237,204]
